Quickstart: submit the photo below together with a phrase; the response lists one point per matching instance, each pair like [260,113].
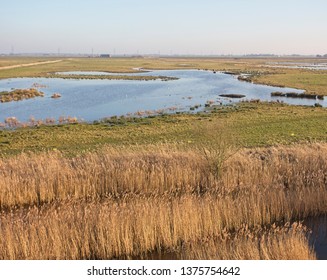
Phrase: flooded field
[299,65]
[93,99]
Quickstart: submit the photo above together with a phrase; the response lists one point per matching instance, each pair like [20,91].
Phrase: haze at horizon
[164,27]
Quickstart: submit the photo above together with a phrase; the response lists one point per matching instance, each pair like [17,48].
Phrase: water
[318,238]
[298,65]
[95,99]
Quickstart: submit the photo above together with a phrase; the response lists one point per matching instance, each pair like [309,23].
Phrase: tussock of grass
[19,94]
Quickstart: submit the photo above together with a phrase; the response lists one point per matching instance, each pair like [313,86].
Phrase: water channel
[318,236]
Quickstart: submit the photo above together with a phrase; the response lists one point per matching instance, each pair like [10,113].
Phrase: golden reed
[159,201]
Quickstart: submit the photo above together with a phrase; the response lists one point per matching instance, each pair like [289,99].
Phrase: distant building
[105,55]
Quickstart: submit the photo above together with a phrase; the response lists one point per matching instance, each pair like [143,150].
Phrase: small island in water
[19,94]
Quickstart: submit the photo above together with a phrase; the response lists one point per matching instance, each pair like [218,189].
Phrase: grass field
[233,182]
[11,60]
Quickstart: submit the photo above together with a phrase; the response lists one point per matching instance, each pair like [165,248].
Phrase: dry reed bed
[33,180]
[125,204]
[140,228]
[296,175]
[275,243]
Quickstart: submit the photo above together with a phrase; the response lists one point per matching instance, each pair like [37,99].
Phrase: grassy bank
[314,82]
[251,124]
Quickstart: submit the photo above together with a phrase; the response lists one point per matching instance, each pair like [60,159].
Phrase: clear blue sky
[165,26]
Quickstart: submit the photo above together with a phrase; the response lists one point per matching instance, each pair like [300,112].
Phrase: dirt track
[29,64]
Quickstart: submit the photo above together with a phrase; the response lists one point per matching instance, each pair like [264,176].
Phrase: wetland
[174,163]
[91,96]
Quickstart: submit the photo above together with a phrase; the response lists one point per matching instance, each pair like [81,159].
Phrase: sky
[202,27]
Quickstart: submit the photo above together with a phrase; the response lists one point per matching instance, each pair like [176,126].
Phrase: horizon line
[161,55]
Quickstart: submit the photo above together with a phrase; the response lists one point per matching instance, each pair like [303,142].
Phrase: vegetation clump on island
[111,77]
[19,94]
[232,95]
[297,95]
[56,95]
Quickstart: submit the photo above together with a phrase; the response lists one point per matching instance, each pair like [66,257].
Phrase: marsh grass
[274,243]
[132,202]
[141,228]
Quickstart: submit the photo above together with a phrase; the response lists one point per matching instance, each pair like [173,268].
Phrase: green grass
[114,65]
[249,124]
[314,82]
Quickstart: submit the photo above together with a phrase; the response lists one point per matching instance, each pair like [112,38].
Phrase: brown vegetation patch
[19,94]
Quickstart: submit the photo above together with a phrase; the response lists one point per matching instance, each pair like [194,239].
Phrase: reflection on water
[318,238]
[95,99]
